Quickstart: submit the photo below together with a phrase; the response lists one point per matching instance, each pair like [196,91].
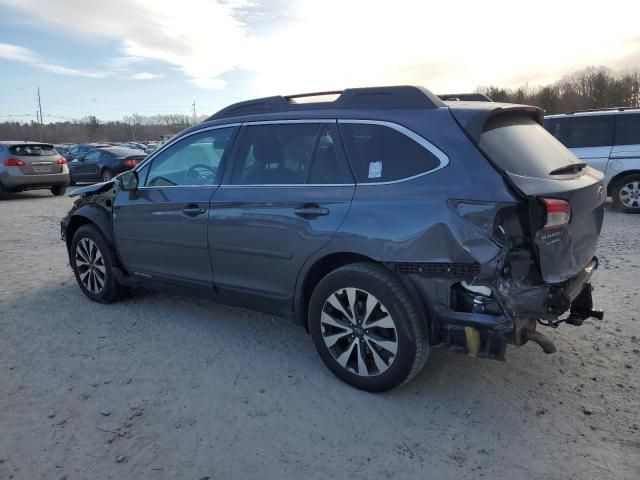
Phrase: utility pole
[40,110]
[194,112]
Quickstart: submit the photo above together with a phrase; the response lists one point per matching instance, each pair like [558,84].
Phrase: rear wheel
[626,193]
[4,193]
[92,261]
[59,190]
[366,328]
[106,175]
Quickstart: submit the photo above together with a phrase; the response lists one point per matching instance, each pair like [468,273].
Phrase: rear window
[378,153]
[628,129]
[519,145]
[125,152]
[32,150]
[582,132]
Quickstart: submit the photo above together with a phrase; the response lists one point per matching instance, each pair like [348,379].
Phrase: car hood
[95,188]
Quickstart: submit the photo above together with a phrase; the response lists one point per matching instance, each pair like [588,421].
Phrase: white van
[608,140]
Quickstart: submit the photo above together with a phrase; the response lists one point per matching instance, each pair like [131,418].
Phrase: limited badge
[375,169]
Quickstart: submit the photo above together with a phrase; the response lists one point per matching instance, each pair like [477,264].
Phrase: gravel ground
[164,386]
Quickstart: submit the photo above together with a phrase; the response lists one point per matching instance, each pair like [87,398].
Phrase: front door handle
[193,210]
[311,210]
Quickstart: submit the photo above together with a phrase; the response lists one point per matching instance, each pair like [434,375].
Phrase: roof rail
[465,97]
[608,109]
[370,97]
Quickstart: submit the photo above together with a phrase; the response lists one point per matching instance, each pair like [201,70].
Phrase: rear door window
[582,132]
[379,153]
[628,129]
[518,144]
[275,154]
[31,150]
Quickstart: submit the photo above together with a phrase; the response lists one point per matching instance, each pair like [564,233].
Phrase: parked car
[79,150]
[62,150]
[608,140]
[136,145]
[384,222]
[28,165]
[102,164]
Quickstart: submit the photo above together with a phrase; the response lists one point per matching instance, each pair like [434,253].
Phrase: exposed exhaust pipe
[544,342]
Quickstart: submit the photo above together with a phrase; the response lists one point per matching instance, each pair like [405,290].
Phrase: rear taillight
[61,161]
[558,212]
[13,162]
[130,162]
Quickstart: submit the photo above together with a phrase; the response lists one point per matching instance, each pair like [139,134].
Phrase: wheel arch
[316,269]
[615,179]
[94,215]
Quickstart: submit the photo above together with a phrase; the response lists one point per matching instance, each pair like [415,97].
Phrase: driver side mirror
[128,180]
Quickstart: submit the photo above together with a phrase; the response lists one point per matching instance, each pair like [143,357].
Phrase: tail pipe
[544,342]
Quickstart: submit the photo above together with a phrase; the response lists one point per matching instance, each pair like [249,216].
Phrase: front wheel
[626,193]
[366,328]
[92,261]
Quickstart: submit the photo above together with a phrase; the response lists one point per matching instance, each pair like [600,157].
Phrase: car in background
[103,163]
[28,165]
[151,147]
[81,149]
[136,145]
[608,140]
[62,149]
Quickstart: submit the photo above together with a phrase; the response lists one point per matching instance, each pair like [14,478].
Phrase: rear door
[288,191]
[625,155]
[84,167]
[540,167]
[589,137]
[161,229]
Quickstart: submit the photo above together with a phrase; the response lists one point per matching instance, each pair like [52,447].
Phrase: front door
[288,191]
[161,228]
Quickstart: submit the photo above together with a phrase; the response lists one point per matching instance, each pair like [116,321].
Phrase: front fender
[88,213]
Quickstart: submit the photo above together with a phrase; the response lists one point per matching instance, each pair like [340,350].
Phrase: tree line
[92,129]
[593,87]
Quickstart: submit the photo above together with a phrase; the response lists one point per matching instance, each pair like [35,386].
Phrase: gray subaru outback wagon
[385,222]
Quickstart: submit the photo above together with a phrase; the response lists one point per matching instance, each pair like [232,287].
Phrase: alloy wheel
[106,176]
[359,332]
[90,265]
[629,194]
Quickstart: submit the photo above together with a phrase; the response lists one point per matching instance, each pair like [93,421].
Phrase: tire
[106,175]
[626,193]
[59,190]
[393,321]
[83,254]
[4,193]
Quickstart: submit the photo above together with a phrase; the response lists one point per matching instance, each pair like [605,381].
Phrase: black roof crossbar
[370,97]
[465,97]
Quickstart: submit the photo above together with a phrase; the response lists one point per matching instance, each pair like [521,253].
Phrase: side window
[92,156]
[581,132]
[628,129]
[378,153]
[326,167]
[191,161]
[275,154]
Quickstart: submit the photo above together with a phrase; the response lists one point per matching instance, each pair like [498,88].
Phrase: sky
[113,58]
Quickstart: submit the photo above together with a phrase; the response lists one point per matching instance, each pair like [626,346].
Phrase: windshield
[518,144]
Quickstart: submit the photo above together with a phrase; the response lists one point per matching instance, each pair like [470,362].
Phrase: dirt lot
[164,386]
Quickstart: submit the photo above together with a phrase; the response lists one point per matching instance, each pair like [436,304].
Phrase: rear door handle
[193,210]
[311,211]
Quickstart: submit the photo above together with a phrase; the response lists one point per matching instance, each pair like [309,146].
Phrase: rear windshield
[519,145]
[32,150]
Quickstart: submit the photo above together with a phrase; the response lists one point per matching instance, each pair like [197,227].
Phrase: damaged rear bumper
[482,325]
